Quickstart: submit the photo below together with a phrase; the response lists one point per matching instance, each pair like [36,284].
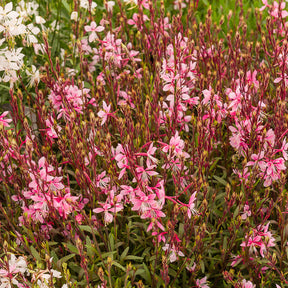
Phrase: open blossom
[42,277]
[105,113]
[144,3]
[108,209]
[16,265]
[74,16]
[202,283]
[173,252]
[144,174]
[6,13]
[8,273]
[247,284]
[176,146]
[246,213]
[135,20]
[110,5]
[191,206]
[93,28]
[151,159]
[85,4]
[51,132]
[3,121]
[74,99]
[122,159]
[259,238]
[34,76]
[284,149]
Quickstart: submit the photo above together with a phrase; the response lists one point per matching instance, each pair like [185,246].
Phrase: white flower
[85,4]
[26,9]
[40,20]
[74,15]
[38,48]
[43,277]
[31,32]
[55,26]
[7,12]
[110,5]
[35,76]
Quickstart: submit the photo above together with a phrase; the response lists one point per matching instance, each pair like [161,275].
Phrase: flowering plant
[143,144]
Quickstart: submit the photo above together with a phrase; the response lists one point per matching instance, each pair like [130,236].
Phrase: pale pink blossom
[191,206]
[202,283]
[93,28]
[247,284]
[259,238]
[4,121]
[246,213]
[105,113]
[173,252]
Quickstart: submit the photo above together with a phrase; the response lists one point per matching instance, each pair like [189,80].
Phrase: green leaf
[214,163]
[108,254]
[236,212]
[86,227]
[220,180]
[65,259]
[54,256]
[181,230]
[132,257]
[51,243]
[119,266]
[172,272]
[71,247]
[91,251]
[35,253]
[202,265]
[225,243]
[111,241]
[123,255]
[147,274]
[66,6]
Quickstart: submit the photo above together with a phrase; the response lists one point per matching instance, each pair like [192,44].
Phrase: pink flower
[247,284]
[246,213]
[259,238]
[93,28]
[142,202]
[176,146]
[155,224]
[105,113]
[121,158]
[279,9]
[252,79]
[202,283]
[151,151]
[244,175]
[127,99]
[284,149]
[3,121]
[237,140]
[236,100]
[107,208]
[191,205]
[144,174]
[135,20]
[173,252]
[51,130]
[207,96]
[266,5]
[14,266]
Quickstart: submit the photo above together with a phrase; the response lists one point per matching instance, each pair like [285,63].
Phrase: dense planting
[141,147]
